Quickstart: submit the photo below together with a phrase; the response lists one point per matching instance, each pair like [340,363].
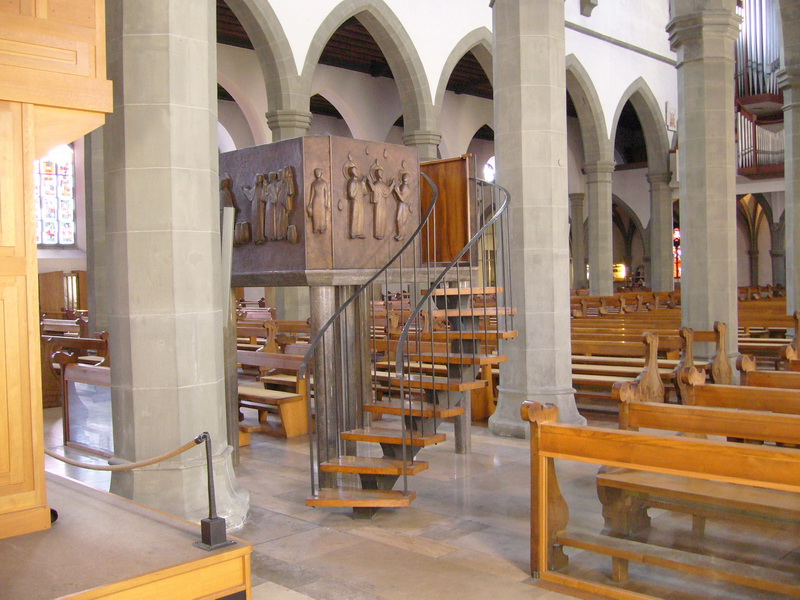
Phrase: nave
[467,536]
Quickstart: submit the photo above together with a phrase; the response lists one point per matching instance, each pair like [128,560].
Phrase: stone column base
[507,421]
[181,489]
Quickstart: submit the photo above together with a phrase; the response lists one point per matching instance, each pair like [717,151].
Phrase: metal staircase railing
[331,331]
[404,356]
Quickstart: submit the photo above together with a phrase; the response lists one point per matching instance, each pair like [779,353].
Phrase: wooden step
[372,466]
[381,435]
[480,311]
[414,409]
[361,498]
[456,358]
[465,291]
[415,381]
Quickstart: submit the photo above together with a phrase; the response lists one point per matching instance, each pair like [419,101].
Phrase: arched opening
[326,118]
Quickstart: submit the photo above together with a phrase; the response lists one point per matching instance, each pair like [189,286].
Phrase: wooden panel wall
[52,90]
[22,493]
[453,218]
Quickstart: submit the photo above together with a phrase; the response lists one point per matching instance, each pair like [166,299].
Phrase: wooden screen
[52,90]
[454,219]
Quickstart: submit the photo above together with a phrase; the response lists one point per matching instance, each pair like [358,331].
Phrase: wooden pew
[775,471]
[85,349]
[291,407]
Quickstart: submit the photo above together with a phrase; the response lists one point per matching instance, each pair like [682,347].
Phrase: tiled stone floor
[465,537]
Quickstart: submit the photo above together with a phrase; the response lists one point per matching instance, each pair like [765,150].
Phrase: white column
[531,146]
[601,247]
[704,41]
[96,246]
[163,237]
[661,260]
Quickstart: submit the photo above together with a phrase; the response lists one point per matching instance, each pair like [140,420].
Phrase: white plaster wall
[482,150]
[462,116]
[239,73]
[631,186]
[322,125]
[235,125]
[369,105]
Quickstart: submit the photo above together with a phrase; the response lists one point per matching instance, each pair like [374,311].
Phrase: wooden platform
[104,546]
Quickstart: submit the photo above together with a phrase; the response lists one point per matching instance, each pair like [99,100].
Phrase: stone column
[752,255]
[778,258]
[163,223]
[662,267]
[789,80]
[96,246]
[287,124]
[531,146]
[426,143]
[704,41]
[579,280]
[601,248]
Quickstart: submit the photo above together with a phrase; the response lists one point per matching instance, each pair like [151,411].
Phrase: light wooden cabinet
[52,90]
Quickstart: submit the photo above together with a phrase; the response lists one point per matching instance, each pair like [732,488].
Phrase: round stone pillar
[577,226]
[789,80]
[661,259]
[601,247]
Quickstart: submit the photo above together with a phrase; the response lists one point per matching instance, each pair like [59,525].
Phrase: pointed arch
[479,42]
[397,47]
[273,51]
[596,143]
[655,130]
[348,114]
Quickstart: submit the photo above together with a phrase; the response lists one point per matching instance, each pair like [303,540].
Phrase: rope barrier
[127,467]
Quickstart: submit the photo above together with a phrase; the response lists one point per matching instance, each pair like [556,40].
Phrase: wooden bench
[85,349]
[291,407]
[673,461]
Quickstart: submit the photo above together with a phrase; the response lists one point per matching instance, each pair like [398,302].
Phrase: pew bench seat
[289,406]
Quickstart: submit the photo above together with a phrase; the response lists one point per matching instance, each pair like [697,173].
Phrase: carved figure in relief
[355,190]
[272,219]
[257,194]
[286,194]
[402,194]
[319,203]
[379,196]
[226,193]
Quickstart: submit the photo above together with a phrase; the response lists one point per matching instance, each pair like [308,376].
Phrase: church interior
[344,299]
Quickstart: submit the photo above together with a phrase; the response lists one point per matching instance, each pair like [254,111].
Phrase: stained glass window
[54,198]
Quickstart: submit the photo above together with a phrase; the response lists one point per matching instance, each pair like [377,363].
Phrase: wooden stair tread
[412,408]
[480,311]
[391,436]
[371,466]
[361,498]
[465,291]
[429,382]
[413,366]
[681,560]
[456,358]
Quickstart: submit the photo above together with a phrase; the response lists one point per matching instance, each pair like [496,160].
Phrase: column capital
[777,253]
[426,142]
[576,197]
[288,123]
[789,77]
[702,25]
[659,178]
